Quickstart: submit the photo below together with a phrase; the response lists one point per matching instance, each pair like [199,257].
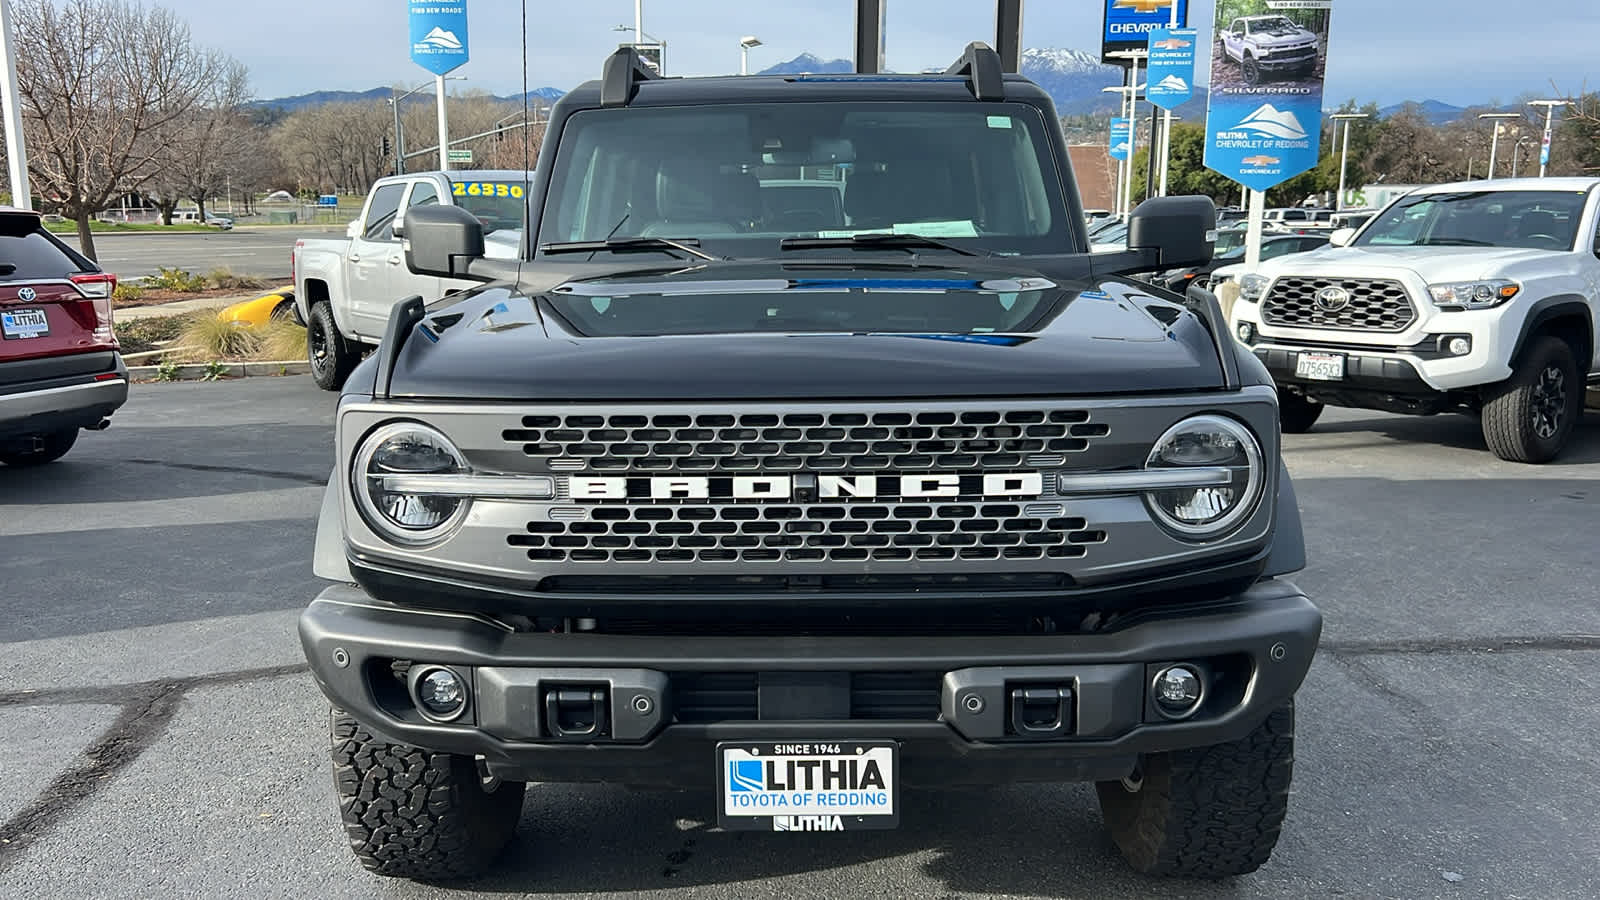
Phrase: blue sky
[1458,51]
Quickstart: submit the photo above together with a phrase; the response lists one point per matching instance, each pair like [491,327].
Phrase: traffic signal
[386,146]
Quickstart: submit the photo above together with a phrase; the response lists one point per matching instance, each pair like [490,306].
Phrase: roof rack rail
[981,64]
[624,70]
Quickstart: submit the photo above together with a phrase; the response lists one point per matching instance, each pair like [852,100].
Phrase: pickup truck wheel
[38,450]
[413,813]
[1251,69]
[332,357]
[1207,812]
[1529,417]
[1297,412]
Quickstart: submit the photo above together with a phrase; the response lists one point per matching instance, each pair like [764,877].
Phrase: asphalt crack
[316,481]
[147,709]
[1458,646]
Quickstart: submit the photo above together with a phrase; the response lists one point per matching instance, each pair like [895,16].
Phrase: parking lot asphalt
[160,736]
[263,252]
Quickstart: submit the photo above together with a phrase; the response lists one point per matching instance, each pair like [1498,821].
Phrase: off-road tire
[413,813]
[1297,412]
[1209,812]
[332,357]
[1522,420]
[1250,69]
[49,448]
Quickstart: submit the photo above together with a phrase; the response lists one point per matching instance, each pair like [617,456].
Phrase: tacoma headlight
[1460,295]
[1252,287]
[388,455]
[1228,455]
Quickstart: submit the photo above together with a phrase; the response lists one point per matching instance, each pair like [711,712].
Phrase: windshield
[1541,220]
[741,178]
[1276,25]
[499,205]
[1228,239]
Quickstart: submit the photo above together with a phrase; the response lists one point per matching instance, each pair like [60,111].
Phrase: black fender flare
[1550,308]
[1288,552]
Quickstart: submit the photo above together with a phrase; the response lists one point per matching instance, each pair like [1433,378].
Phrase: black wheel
[1297,412]
[332,357]
[1529,417]
[412,813]
[1210,812]
[1251,70]
[36,450]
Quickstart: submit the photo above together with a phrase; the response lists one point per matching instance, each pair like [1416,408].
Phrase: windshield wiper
[875,241]
[1455,242]
[687,245]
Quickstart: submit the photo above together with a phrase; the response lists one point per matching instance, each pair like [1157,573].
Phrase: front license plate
[24,323]
[808,786]
[1320,366]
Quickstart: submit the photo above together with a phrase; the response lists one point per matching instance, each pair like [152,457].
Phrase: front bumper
[40,396]
[944,699]
[1273,60]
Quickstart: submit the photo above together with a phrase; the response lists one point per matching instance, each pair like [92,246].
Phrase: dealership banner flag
[1171,66]
[1121,138]
[1264,115]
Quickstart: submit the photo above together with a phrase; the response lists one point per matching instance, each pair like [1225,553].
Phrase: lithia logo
[807,487]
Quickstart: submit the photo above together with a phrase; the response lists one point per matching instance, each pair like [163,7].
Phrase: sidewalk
[179,307]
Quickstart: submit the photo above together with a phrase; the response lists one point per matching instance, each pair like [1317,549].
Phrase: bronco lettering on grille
[804,487]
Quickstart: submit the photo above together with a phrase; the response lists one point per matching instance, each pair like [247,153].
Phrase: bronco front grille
[1370,304]
[843,532]
[860,442]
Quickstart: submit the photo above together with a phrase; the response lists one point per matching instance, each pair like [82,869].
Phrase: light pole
[1344,152]
[16,152]
[745,43]
[639,38]
[1494,142]
[399,135]
[638,21]
[1549,120]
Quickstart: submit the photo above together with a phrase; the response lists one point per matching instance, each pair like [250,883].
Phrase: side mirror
[1341,237]
[398,228]
[442,240]
[1181,230]
[353,230]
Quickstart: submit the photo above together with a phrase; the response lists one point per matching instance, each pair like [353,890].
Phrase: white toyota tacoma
[1476,297]
[345,289]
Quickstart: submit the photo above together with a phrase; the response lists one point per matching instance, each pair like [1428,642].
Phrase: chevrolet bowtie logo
[1260,160]
[1144,6]
[1171,44]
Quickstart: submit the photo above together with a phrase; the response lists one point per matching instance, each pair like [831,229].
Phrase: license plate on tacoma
[24,323]
[1320,366]
[808,786]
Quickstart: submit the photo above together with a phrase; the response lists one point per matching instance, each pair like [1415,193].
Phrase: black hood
[1103,336]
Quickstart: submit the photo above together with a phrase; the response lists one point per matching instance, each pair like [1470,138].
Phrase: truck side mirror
[1181,230]
[1341,237]
[353,230]
[442,240]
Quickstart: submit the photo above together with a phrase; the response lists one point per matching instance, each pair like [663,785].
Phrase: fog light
[1177,690]
[1460,346]
[1247,332]
[441,693]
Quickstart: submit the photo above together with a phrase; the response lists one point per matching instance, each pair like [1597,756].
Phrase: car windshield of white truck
[1537,220]
[499,205]
[742,178]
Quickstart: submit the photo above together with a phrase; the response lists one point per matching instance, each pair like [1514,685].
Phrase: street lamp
[1494,144]
[1344,151]
[639,37]
[1549,117]
[399,136]
[745,43]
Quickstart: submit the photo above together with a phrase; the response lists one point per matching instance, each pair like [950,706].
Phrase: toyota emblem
[27,295]
[1333,299]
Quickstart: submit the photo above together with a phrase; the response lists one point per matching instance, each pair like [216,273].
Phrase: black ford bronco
[805,457]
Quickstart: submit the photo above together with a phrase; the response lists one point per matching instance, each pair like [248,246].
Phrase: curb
[196,371]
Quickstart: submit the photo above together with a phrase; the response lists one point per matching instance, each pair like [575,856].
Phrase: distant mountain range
[1075,79]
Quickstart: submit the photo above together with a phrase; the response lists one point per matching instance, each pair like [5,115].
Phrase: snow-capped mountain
[810,63]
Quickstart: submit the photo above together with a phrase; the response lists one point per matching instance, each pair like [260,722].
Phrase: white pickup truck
[344,289]
[1478,297]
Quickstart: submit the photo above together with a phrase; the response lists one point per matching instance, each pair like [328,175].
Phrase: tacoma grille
[844,532]
[860,442]
[1374,304]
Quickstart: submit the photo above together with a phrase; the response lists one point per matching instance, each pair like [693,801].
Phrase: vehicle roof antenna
[624,70]
[981,64]
[527,145]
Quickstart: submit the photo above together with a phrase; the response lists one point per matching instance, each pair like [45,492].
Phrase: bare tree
[100,80]
[197,154]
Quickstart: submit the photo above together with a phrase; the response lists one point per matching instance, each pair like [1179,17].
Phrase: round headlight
[1231,452]
[400,449]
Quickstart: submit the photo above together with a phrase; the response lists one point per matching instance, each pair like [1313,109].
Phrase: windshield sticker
[1000,122]
[600,304]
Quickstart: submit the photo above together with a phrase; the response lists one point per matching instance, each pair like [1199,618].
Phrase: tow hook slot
[1041,712]
[575,713]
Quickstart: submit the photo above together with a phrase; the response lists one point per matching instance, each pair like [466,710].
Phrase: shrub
[176,279]
[213,338]
[280,341]
[153,332]
[127,292]
[223,279]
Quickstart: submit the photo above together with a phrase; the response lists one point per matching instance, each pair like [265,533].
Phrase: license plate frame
[1320,366]
[783,808]
[13,330]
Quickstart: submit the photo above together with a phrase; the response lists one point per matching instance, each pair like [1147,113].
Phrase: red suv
[59,366]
